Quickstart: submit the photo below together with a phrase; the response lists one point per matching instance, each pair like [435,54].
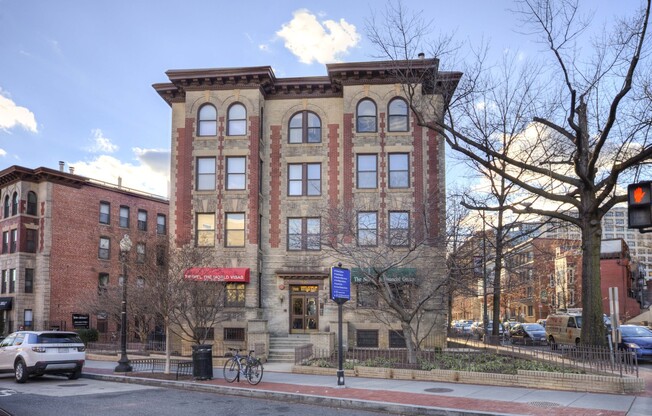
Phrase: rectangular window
[399,167]
[205,173]
[30,243]
[102,283]
[234,334]
[205,333]
[142,220]
[12,280]
[140,253]
[396,339]
[367,168]
[124,216]
[234,295]
[530,310]
[235,172]
[5,280]
[28,318]
[402,293]
[205,230]
[304,234]
[29,280]
[105,212]
[235,229]
[160,255]
[161,224]
[5,242]
[102,324]
[105,248]
[399,228]
[304,179]
[14,241]
[367,228]
[366,296]
[367,338]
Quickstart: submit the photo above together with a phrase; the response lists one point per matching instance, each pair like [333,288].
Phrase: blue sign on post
[340,284]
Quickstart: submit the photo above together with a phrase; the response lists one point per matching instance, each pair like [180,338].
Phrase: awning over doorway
[5,304]
[218,274]
[397,275]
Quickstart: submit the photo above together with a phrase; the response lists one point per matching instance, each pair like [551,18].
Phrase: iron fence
[480,357]
[157,365]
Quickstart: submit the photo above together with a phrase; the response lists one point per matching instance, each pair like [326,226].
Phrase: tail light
[81,349]
[38,349]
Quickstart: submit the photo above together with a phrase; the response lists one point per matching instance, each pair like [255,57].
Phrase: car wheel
[75,374]
[20,371]
[553,344]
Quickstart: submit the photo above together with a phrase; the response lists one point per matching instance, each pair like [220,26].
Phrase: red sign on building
[218,274]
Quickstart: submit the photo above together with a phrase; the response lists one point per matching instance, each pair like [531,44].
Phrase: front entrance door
[304,315]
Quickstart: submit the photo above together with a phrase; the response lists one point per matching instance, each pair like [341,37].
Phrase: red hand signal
[639,193]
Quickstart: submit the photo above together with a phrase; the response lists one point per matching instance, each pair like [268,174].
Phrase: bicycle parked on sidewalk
[248,366]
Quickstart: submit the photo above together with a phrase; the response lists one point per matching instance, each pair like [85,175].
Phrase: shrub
[88,335]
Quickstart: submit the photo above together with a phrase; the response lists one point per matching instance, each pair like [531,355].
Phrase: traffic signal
[639,205]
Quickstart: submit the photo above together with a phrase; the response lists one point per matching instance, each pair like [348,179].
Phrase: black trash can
[202,362]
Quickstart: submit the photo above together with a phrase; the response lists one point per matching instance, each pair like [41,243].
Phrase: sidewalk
[401,396]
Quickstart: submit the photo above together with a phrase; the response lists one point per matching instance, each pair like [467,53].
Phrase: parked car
[466,328]
[480,330]
[27,353]
[528,333]
[542,322]
[638,339]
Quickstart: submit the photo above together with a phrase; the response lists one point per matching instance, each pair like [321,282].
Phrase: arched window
[14,204]
[398,115]
[366,116]
[237,124]
[6,206]
[207,124]
[31,203]
[305,127]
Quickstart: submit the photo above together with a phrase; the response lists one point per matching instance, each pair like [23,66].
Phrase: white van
[563,328]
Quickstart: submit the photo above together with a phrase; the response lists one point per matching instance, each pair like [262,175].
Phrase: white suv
[36,353]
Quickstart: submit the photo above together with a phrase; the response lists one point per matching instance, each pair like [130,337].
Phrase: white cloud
[3,152]
[311,40]
[101,144]
[147,175]
[12,115]
[263,47]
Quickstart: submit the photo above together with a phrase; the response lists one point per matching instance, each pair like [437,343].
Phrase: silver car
[27,353]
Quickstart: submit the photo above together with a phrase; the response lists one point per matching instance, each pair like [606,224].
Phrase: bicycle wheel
[231,370]
[254,372]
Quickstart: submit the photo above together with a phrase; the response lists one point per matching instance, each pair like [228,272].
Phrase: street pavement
[407,397]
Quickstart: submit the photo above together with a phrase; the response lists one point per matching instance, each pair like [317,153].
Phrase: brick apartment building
[257,161]
[60,245]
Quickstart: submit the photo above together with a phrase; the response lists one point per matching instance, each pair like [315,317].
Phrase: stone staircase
[281,349]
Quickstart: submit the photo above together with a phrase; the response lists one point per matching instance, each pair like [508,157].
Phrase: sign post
[340,293]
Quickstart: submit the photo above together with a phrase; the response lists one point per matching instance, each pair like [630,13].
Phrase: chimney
[422,55]
[61,165]
[71,169]
[119,182]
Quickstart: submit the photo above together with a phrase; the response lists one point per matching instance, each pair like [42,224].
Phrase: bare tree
[588,125]
[399,268]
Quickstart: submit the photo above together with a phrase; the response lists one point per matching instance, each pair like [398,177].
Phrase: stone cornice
[263,78]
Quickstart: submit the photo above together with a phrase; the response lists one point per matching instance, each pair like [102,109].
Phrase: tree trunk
[167,346]
[498,261]
[593,330]
[410,345]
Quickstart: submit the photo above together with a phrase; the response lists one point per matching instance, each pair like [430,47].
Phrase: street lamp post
[123,363]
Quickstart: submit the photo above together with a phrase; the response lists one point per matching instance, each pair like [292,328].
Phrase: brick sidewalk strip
[380,400]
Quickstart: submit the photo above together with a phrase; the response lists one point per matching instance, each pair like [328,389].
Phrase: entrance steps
[281,349]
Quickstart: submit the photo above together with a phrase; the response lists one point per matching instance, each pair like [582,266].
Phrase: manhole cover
[544,404]
[439,390]
[72,385]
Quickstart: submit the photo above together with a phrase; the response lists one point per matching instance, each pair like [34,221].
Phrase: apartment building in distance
[258,160]
[60,245]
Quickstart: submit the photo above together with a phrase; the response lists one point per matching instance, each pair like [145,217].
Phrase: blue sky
[76,75]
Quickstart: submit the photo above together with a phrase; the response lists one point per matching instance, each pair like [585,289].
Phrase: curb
[391,408]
